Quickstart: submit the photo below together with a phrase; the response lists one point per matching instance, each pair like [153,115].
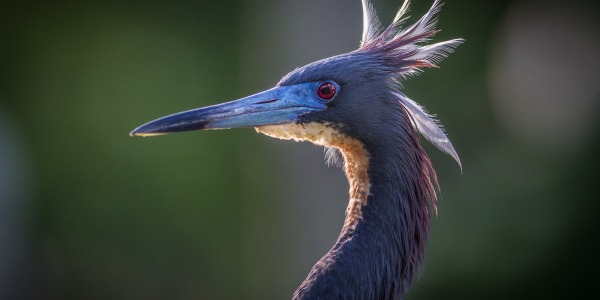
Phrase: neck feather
[356,164]
[382,242]
[356,160]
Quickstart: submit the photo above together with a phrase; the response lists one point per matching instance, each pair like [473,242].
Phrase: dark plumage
[353,104]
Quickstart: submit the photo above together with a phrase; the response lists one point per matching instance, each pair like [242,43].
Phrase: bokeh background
[87,212]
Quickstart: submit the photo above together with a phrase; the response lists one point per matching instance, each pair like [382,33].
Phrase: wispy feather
[404,51]
[371,23]
[430,128]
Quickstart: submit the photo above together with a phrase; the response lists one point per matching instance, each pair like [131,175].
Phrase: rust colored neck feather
[356,164]
[356,160]
[383,239]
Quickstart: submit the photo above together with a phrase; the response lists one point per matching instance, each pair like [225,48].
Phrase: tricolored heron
[353,104]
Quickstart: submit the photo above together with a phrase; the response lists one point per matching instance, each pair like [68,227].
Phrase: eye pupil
[326,90]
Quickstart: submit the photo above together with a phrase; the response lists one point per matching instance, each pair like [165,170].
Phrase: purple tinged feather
[430,128]
[402,50]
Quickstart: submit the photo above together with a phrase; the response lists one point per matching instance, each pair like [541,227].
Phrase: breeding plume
[353,104]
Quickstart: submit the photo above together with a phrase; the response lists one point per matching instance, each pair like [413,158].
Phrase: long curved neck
[383,239]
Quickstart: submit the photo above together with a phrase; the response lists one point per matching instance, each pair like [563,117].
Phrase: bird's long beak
[279,105]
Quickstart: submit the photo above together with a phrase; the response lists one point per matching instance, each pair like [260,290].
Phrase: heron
[353,105]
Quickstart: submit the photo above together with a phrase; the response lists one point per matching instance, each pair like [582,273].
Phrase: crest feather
[371,24]
[404,52]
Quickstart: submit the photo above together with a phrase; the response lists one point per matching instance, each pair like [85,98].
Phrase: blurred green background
[87,212]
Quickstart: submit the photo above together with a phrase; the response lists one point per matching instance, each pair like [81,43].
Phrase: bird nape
[353,104]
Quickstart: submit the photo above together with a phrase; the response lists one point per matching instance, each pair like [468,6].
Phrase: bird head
[354,96]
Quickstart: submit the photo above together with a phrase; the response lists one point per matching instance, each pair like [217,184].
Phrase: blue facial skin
[279,105]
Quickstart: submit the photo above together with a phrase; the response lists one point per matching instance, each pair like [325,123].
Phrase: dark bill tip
[169,124]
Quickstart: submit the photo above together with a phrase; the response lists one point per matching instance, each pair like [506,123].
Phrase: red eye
[326,90]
